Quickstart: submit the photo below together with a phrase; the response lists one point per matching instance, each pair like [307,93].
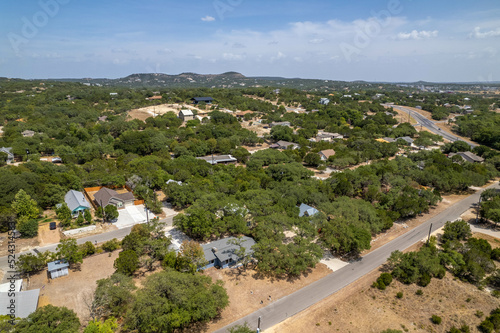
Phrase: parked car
[52,225]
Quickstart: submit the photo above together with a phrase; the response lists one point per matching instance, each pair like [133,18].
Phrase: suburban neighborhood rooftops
[215,159]
[306,210]
[222,250]
[58,264]
[75,199]
[26,303]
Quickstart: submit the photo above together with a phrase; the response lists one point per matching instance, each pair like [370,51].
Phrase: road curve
[294,303]
[430,125]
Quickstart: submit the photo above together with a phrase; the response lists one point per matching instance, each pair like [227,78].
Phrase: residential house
[325,154]
[223,254]
[328,137]
[407,139]
[28,133]
[306,210]
[8,151]
[186,115]
[218,159]
[113,94]
[106,196]
[386,140]
[197,100]
[76,202]
[468,156]
[57,268]
[242,114]
[284,145]
[56,159]
[280,123]
[153,98]
[324,101]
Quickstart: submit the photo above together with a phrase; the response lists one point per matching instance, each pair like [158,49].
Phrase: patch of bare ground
[249,291]
[47,236]
[150,111]
[360,308]
[73,290]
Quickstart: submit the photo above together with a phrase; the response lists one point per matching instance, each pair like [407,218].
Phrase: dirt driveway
[71,290]
[47,236]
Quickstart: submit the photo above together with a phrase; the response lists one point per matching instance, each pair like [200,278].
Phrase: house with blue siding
[76,202]
[221,253]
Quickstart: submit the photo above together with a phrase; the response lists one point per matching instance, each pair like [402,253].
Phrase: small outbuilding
[186,115]
[57,268]
[306,210]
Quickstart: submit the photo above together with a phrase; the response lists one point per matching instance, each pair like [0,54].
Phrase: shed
[186,115]
[57,268]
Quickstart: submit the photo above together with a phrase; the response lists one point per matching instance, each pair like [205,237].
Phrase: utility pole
[429,237]
[103,213]
[478,208]
[258,325]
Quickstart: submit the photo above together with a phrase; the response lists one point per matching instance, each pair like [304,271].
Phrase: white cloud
[417,35]
[232,56]
[208,18]
[480,35]
[316,41]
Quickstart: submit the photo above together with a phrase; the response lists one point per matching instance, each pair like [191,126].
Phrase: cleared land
[73,290]
[247,289]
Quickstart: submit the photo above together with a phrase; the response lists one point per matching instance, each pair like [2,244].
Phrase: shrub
[424,280]
[111,245]
[419,292]
[87,248]
[28,228]
[495,254]
[399,294]
[436,319]
[383,281]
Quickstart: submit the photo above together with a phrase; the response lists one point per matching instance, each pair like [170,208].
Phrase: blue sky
[390,40]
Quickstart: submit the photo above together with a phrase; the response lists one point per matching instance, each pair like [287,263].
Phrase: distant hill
[224,80]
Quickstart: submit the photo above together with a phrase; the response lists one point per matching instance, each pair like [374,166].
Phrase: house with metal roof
[218,159]
[106,196]
[324,101]
[468,156]
[57,268]
[8,151]
[186,115]
[76,202]
[20,305]
[284,145]
[197,100]
[222,253]
[306,210]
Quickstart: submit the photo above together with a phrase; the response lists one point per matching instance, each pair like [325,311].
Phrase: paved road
[99,238]
[292,304]
[430,125]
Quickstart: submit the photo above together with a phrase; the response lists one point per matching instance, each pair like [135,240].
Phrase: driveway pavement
[132,215]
